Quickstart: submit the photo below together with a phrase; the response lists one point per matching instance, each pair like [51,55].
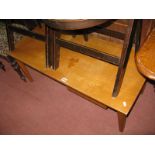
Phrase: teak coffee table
[88,77]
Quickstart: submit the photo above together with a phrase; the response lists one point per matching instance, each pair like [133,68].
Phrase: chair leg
[52,48]
[10,36]
[16,67]
[124,58]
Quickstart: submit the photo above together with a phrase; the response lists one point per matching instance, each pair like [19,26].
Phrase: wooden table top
[74,24]
[145,57]
[90,77]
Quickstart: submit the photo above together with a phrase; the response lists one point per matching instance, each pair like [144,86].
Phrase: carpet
[46,107]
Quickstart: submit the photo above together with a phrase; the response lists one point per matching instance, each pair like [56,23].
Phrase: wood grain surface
[91,77]
[145,57]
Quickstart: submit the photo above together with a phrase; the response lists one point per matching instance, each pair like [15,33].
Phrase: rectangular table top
[91,77]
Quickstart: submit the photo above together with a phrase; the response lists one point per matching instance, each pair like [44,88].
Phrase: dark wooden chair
[53,43]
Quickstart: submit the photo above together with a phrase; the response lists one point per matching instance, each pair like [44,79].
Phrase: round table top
[73,24]
[145,57]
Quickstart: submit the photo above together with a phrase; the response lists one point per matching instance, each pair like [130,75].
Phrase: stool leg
[121,121]
[52,48]
[85,37]
[10,36]
[124,58]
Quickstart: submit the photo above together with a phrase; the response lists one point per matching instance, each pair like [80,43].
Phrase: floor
[46,107]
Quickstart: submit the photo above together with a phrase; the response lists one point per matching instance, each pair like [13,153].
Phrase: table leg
[143,88]
[124,58]
[121,121]
[25,71]
[52,48]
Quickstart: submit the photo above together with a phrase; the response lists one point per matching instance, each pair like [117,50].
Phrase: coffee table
[54,28]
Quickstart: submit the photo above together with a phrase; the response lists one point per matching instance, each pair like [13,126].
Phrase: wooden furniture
[13,64]
[2,66]
[53,43]
[75,72]
[11,27]
[145,57]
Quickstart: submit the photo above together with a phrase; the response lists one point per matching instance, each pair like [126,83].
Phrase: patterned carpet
[3,39]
